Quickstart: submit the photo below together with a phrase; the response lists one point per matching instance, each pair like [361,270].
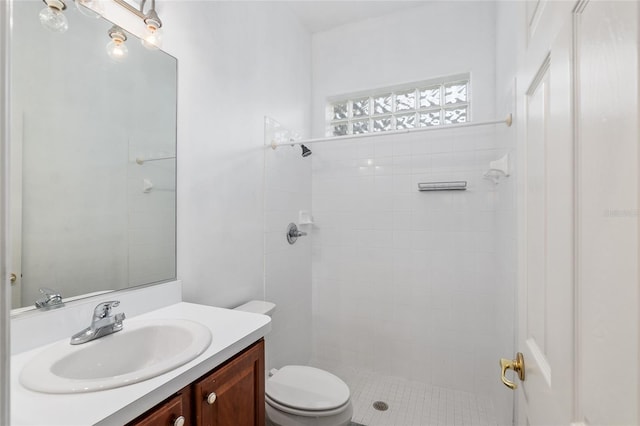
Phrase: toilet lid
[307,388]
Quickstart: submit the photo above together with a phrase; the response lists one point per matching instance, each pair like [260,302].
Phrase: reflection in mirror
[86,217]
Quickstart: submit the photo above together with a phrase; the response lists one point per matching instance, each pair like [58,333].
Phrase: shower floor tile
[412,403]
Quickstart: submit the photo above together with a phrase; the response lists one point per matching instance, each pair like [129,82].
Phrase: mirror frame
[5,284]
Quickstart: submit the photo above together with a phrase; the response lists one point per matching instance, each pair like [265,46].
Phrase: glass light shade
[53,20]
[117,50]
[152,39]
[90,8]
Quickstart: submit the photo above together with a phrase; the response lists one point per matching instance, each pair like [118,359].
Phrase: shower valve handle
[293,233]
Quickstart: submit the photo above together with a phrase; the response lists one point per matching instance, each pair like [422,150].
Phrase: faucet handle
[47,291]
[50,294]
[51,298]
[103,310]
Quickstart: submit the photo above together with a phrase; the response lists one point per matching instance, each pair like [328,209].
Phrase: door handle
[516,365]
[13,278]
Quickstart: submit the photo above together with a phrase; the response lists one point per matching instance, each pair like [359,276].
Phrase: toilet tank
[257,307]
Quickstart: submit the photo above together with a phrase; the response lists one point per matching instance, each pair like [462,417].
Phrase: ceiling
[320,15]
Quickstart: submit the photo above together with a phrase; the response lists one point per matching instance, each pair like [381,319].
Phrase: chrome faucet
[102,323]
[51,299]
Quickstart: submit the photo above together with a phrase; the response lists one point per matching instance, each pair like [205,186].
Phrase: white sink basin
[142,350]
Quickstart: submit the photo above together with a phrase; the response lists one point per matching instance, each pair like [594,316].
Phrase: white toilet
[300,395]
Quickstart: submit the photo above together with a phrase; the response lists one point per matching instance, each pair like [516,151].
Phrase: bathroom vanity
[231,394]
[225,381]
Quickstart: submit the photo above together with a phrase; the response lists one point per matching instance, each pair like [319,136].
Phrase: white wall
[240,61]
[237,62]
[408,283]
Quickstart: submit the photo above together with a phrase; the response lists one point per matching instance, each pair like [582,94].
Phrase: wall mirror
[93,172]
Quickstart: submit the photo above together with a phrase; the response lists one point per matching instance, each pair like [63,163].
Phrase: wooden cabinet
[230,395]
[233,395]
[176,411]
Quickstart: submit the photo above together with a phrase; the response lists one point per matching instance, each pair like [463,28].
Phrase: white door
[546,220]
[578,150]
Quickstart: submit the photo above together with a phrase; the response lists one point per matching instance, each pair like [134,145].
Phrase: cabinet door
[173,412]
[233,395]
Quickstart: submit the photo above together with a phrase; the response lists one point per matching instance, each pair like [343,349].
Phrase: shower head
[305,151]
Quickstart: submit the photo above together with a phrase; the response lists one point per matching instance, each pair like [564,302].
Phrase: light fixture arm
[143,2]
[151,18]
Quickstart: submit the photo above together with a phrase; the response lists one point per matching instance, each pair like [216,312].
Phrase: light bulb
[90,8]
[152,39]
[53,19]
[117,50]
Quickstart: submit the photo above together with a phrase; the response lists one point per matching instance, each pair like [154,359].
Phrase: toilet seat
[306,391]
[305,413]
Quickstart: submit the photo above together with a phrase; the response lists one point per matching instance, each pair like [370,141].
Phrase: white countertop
[231,332]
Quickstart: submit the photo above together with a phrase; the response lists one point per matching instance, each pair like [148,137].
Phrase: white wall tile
[429,269]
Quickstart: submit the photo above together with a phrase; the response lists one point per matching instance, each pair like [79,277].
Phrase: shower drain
[381,406]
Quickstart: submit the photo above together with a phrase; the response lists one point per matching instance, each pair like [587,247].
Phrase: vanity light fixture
[52,18]
[117,49]
[90,8]
[153,38]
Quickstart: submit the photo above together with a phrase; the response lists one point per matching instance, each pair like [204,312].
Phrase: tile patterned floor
[412,403]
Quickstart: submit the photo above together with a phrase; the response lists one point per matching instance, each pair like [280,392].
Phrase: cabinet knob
[211,398]
[179,421]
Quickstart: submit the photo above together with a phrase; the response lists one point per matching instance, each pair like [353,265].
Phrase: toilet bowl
[302,395]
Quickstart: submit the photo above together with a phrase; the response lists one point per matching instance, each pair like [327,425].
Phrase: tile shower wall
[408,283]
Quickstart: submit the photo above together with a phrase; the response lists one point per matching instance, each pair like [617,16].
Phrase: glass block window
[423,104]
